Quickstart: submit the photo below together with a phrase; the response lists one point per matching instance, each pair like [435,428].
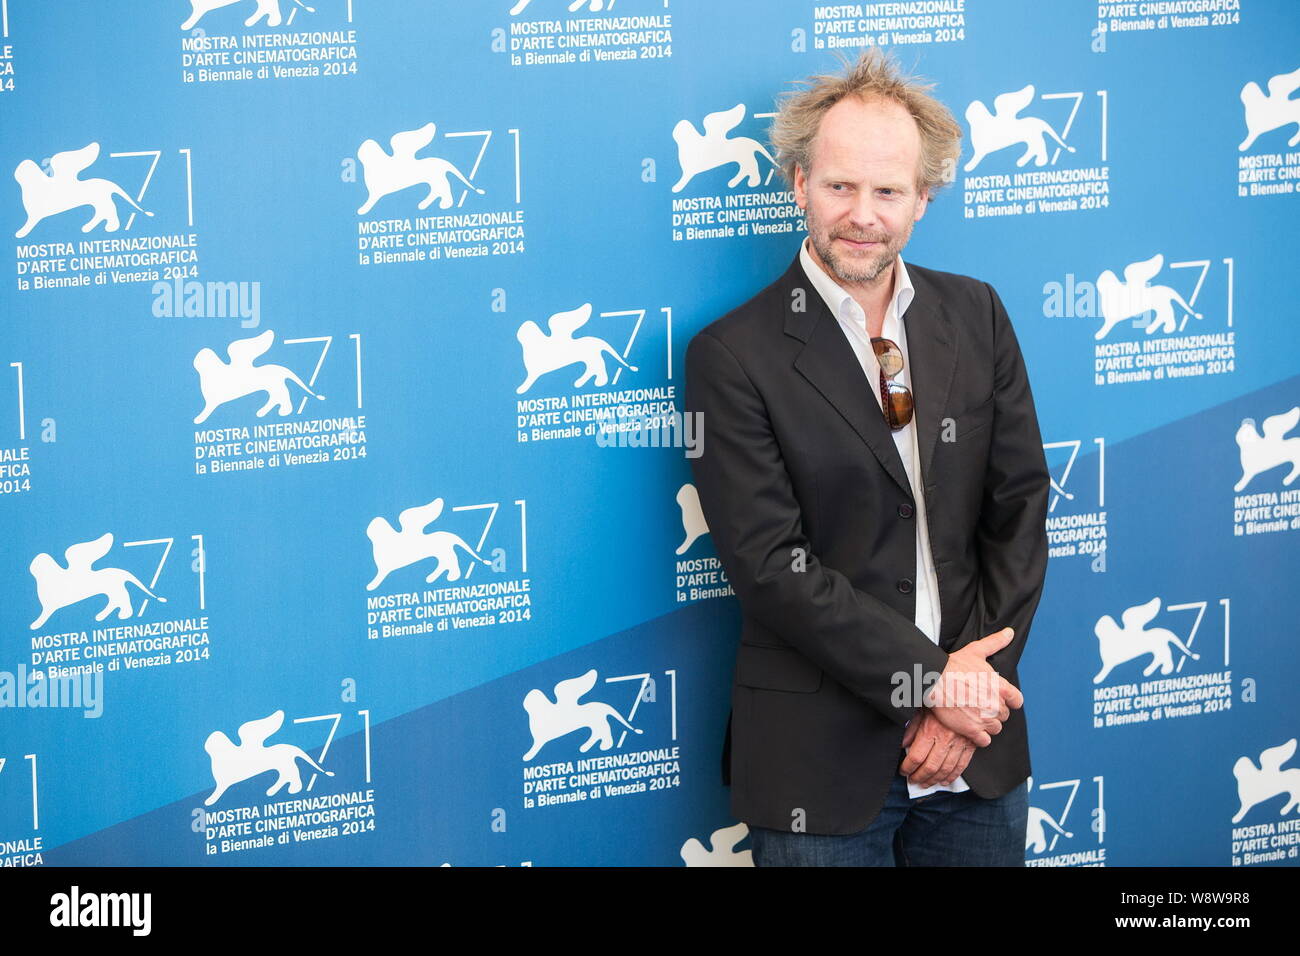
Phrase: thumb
[995,641]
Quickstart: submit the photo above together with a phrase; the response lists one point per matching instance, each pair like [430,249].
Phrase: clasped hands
[964,709]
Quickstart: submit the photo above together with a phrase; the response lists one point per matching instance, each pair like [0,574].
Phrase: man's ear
[800,187]
[922,203]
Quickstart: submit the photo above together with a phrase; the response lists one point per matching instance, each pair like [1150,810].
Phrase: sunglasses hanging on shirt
[895,397]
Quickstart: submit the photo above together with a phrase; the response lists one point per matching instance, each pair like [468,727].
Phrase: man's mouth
[859,243]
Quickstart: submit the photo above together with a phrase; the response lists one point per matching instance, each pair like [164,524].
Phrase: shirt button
[905,510]
[905,585]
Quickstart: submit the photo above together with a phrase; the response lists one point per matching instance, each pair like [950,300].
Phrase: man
[874,481]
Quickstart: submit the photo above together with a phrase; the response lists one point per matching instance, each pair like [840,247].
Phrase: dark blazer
[813,519]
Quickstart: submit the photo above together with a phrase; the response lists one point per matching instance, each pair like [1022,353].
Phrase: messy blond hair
[875,75]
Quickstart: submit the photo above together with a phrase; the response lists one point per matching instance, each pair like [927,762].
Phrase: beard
[849,266]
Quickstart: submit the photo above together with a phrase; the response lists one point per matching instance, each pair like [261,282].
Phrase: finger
[963,761]
[910,733]
[992,704]
[993,727]
[995,641]
[961,758]
[928,773]
[916,754]
[1011,695]
[929,770]
[948,770]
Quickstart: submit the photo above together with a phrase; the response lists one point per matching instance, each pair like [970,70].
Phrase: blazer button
[905,585]
[905,510]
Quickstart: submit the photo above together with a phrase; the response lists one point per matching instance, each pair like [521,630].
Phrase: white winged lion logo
[58,587]
[63,189]
[1261,453]
[222,382]
[1005,127]
[234,763]
[549,721]
[548,353]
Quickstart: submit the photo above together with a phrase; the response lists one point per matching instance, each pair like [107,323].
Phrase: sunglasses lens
[889,355]
[900,406]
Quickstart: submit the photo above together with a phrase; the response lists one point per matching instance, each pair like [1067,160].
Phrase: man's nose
[863,214]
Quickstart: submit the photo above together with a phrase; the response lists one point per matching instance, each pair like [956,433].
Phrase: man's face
[860,197]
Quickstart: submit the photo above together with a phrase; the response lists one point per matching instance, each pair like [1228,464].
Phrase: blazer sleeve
[749,503]
[1011,534]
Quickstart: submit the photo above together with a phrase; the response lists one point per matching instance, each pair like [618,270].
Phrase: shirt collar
[836,297]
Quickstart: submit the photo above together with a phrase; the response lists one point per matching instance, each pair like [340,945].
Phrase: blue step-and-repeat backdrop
[332,530]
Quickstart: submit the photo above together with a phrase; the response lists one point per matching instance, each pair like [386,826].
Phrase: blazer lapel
[932,349]
[828,363]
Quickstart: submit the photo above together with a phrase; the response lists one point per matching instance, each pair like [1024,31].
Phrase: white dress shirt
[853,321]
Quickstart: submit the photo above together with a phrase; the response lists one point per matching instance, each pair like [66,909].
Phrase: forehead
[875,134]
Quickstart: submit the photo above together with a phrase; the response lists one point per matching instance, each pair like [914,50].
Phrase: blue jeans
[941,829]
